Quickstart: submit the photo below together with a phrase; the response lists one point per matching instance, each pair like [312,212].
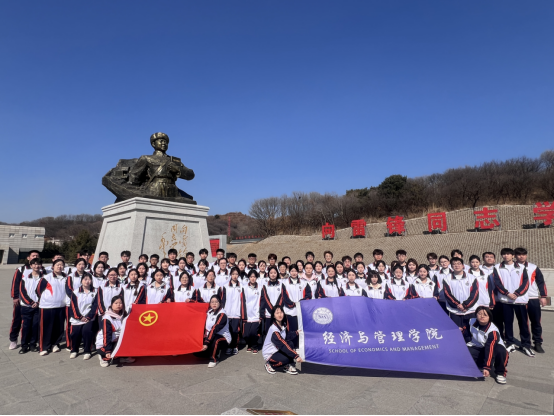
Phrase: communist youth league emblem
[148,318]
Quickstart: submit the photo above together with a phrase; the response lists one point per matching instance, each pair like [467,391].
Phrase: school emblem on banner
[323,316]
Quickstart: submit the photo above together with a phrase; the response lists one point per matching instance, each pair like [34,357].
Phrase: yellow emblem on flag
[148,318]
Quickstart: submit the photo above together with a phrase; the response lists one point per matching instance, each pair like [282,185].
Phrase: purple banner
[414,336]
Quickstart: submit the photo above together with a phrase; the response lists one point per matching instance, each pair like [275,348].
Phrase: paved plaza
[30,384]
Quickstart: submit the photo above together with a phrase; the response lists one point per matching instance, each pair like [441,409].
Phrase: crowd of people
[255,300]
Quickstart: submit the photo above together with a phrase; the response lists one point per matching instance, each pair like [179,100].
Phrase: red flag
[162,329]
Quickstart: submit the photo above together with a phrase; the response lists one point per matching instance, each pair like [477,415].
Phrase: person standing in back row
[20,272]
[511,282]
[537,296]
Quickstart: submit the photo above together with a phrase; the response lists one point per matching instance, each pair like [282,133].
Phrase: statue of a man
[158,172]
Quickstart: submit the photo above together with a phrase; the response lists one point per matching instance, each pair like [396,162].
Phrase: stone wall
[539,242]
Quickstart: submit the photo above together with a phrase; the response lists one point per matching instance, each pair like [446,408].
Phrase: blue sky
[263,98]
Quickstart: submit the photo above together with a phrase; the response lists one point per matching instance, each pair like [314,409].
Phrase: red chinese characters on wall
[328,231]
[358,228]
[544,211]
[436,221]
[396,225]
[486,219]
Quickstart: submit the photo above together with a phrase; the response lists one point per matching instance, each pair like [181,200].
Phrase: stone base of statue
[151,226]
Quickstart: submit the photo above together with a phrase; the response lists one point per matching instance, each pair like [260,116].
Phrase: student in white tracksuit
[216,335]
[351,288]
[486,345]
[132,290]
[444,271]
[230,302]
[397,287]
[411,271]
[423,286]
[375,289]
[329,287]
[278,350]
[309,279]
[51,300]
[185,291]
[110,330]
[250,312]
[82,317]
[142,270]
[296,293]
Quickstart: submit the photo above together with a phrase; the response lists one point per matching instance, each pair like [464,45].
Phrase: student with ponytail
[107,338]
[217,335]
[132,290]
[278,350]
[82,317]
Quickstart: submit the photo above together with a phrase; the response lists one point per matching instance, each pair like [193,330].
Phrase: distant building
[16,242]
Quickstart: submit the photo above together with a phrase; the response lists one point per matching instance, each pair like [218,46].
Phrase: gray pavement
[30,384]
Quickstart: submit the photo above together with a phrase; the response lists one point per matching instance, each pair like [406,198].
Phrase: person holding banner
[185,292]
[329,287]
[107,291]
[461,291]
[309,279]
[217,335]
[273,293]
[423,286]
[107,338]
[444,271]
[486,345]
[351,288]
[278,350]
[132,290]
[157,292]
[250,311]
[296,293]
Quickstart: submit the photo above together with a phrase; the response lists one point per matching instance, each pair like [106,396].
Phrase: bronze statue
[150,176]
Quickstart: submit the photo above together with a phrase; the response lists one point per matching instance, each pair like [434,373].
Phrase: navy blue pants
[16,323]
[83,333]
[51,327]
[234,329]
[282,357]
[292,326]
[31,326]
[534,311]
[250,333]
[520,311]
[499,358]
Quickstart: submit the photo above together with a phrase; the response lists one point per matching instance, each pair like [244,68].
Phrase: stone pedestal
[150,226]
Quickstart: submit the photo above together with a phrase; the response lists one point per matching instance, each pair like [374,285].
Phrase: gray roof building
[16,241]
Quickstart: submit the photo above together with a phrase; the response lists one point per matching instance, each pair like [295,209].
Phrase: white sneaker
[43,353]
[104,363]
[290,369]
[212,364]
[68,349]
[501,379]
[269,368]
[73,355]
[235,351]
[127,360]
[528,352]
[56,349]
[13,345]
[228,351]
[86,357]
[511,348]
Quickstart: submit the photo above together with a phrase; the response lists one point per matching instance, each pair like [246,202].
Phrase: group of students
[256,300]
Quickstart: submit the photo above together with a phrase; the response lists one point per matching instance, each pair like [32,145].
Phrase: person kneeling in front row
[486,346]
[278,350]
[217,336]
[107,338]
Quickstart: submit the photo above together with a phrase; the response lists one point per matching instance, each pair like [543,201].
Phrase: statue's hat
[157,136]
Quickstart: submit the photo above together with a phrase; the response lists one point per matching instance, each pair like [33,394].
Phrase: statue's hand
[174,169]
